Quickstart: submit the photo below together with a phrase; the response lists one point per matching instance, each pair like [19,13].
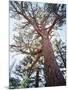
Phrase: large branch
[28,18]
[54,22]
[26,52]
[21,12]
[36,60]
[38,30]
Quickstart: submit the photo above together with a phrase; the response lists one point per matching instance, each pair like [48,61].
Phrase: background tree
[29,78]
[61,51]
[14,82]
[60,54]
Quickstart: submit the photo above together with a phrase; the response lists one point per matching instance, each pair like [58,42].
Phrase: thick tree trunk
[53,74]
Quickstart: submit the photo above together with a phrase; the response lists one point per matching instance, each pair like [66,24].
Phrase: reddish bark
[53,74]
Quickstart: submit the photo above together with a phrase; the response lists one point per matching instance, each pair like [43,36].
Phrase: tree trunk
[37,79]
[53,74]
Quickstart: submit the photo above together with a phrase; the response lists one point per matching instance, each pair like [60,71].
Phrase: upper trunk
[53,74]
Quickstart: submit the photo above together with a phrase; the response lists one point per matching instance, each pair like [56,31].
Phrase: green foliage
[24,83]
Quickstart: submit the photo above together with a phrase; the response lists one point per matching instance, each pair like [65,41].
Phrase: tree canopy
[35,23]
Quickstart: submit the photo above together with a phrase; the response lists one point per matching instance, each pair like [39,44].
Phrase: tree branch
[37,59]
[54,22]
[25,52]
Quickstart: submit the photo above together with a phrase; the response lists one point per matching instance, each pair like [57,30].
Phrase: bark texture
[53,75]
